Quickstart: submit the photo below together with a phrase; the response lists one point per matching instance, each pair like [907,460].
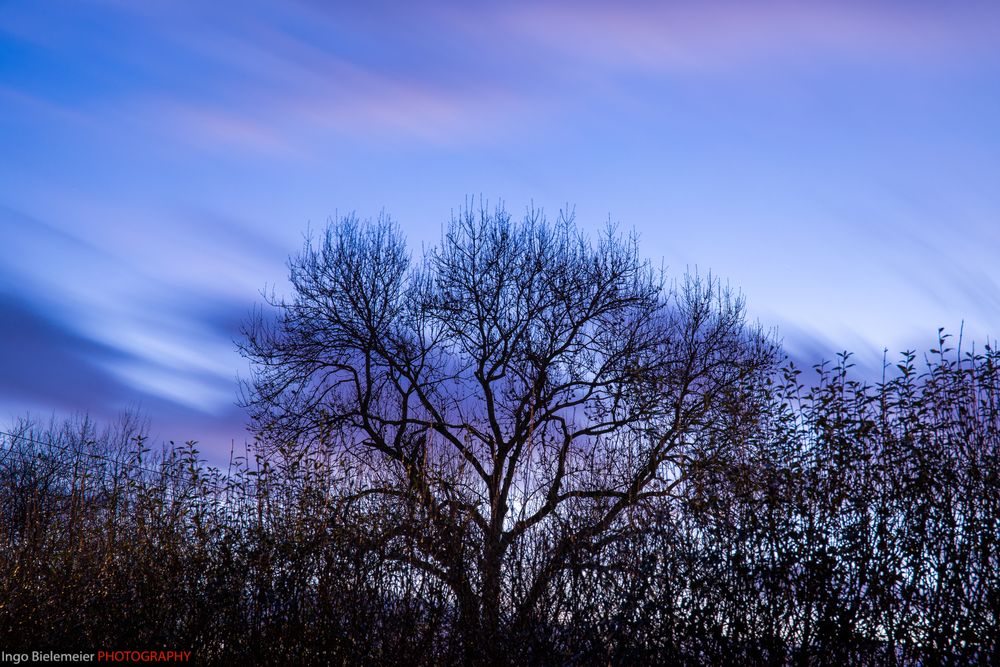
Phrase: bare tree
[509,405]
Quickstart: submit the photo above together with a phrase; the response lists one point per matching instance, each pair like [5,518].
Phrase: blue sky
[837,162]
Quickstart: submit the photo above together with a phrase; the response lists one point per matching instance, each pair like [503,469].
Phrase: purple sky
[838,162]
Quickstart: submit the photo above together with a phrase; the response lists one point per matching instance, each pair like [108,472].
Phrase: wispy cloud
[161,158]
[278,81]
[46,360]
[104,327]
[707,37]
[282,78]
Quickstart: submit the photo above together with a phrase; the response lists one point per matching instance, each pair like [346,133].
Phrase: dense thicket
[853,523]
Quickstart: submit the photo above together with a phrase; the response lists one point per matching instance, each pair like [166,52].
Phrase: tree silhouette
[513,403]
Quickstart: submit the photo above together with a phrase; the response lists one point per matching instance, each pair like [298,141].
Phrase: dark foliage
[526,449]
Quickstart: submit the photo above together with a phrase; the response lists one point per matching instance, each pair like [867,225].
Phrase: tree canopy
[515,397]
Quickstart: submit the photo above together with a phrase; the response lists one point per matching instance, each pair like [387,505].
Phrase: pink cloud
[281,92]
[279,82]
[707,37]
[201,124]
[286,123]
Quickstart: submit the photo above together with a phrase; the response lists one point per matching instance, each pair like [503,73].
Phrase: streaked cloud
[93,320]
[45,360]
[159,160]
[707,37]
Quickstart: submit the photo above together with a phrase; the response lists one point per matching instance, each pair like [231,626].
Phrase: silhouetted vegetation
[524,449]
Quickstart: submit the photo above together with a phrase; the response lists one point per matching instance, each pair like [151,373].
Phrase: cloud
[48,366]
[276,81]
[807,347]
[282,79]
[85,327]
[46,360]
[43,359]
[732,36]
[273,81]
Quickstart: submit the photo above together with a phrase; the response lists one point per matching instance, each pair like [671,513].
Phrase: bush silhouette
[523,448]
